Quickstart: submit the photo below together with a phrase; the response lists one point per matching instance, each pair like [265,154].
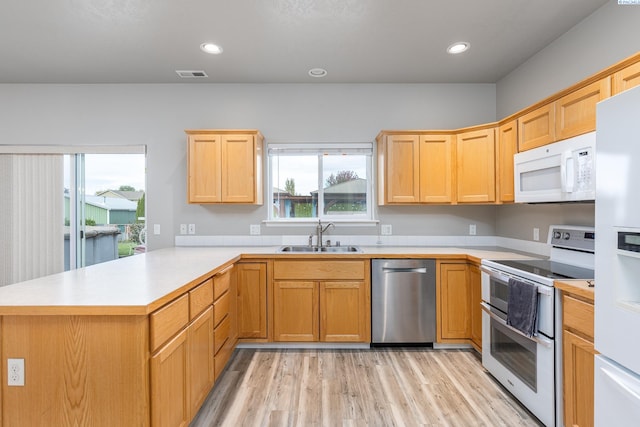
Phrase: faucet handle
[311,240]
[328,242]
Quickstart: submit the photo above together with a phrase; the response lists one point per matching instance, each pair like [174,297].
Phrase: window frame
[320,150]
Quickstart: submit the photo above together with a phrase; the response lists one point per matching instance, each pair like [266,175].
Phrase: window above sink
[331,182]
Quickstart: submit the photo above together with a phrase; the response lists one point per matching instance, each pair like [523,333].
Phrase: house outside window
[320,181]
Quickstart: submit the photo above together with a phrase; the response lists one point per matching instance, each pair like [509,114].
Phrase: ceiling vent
[192,74]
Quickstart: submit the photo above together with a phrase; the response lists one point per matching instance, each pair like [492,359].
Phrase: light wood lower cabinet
[182,373]
[578,356]
[326,301]
[475,289]
[453,307]
[252,299]
[295,311]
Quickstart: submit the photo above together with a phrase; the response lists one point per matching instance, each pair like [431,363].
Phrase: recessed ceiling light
[211,48]
[458,47]
[317,72]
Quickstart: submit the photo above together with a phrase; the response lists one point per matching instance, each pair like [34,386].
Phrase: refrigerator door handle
[625,385]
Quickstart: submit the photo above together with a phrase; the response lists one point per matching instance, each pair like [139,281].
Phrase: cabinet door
[626,78]
[295,311]
[576,112]
[476,166]
[454,299]
[507,148]
[436,168]
[200,366]
[578,380]
[238,169]
[204,168]
[169,392]
[476,312]
[252,300]
[344,312]
[537,128]
[402,168]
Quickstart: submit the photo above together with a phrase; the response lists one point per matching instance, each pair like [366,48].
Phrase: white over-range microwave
[564,171]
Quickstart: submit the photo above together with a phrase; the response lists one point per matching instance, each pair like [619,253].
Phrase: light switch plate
[183,228]
[536,234]
[192,229]
[254,229]
[386,229]
[472,229]
[156,229]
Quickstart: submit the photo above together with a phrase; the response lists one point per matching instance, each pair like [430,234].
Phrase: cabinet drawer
[319,270]
[221,283]
[165,322]
[221,358]
[577,315]
[220,334]
[220,308]
[200,298]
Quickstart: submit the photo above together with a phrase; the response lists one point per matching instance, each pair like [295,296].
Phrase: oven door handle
[540,340]
[503,277]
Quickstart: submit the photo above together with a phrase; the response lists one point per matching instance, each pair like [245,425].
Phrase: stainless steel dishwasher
[403,301]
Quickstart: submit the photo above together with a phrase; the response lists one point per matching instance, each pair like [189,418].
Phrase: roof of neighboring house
[112,203]
[354,186]
[129,195]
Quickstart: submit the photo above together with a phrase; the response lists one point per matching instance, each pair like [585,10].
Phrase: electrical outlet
[192,229]
[254,229]
[156,229]
[385,229]
[536,234]
[183,228]
[472,229]
[15,372]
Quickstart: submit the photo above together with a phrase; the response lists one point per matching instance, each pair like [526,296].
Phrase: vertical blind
[31,216]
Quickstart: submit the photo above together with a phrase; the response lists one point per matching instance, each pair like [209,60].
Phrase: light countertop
[577,287]
[140,284]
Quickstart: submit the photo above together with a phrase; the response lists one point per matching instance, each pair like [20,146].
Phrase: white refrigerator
[617,264]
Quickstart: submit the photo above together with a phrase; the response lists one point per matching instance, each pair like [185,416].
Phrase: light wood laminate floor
[377,387]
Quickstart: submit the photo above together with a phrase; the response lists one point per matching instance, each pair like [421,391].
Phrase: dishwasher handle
[421,270]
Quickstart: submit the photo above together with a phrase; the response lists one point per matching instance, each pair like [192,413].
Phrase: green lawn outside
[125,249]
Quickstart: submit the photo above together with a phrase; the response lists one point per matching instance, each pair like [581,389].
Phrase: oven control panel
[576,238]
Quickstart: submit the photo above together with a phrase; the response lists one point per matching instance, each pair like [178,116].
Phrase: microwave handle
[566,172]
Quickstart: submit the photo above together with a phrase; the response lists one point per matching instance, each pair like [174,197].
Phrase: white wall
[609,35]
[156,115]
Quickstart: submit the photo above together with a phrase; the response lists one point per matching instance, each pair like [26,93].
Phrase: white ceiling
[276,41]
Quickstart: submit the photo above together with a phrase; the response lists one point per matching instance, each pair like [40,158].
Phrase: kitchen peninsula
[94,340]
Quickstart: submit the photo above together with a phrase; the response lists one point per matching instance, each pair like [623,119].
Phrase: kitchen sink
[324,249]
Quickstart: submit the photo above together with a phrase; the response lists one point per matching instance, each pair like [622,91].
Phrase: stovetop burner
[549,269]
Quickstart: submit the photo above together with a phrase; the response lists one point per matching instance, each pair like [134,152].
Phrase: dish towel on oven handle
[522,312]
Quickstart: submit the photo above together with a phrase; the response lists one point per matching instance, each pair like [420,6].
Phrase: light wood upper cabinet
[625,79]
[537,128]
[436,165]
[576,112]
[252,300]
[453,294]
[399,169]
[476,166]
[507,148]
[225,166]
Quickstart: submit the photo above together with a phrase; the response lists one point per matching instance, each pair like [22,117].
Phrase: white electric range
[531,367]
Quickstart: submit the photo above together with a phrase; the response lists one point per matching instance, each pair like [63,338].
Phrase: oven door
[523,365]
[495,291]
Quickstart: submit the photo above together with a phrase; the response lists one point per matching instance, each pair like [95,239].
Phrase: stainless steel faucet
[319,230]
